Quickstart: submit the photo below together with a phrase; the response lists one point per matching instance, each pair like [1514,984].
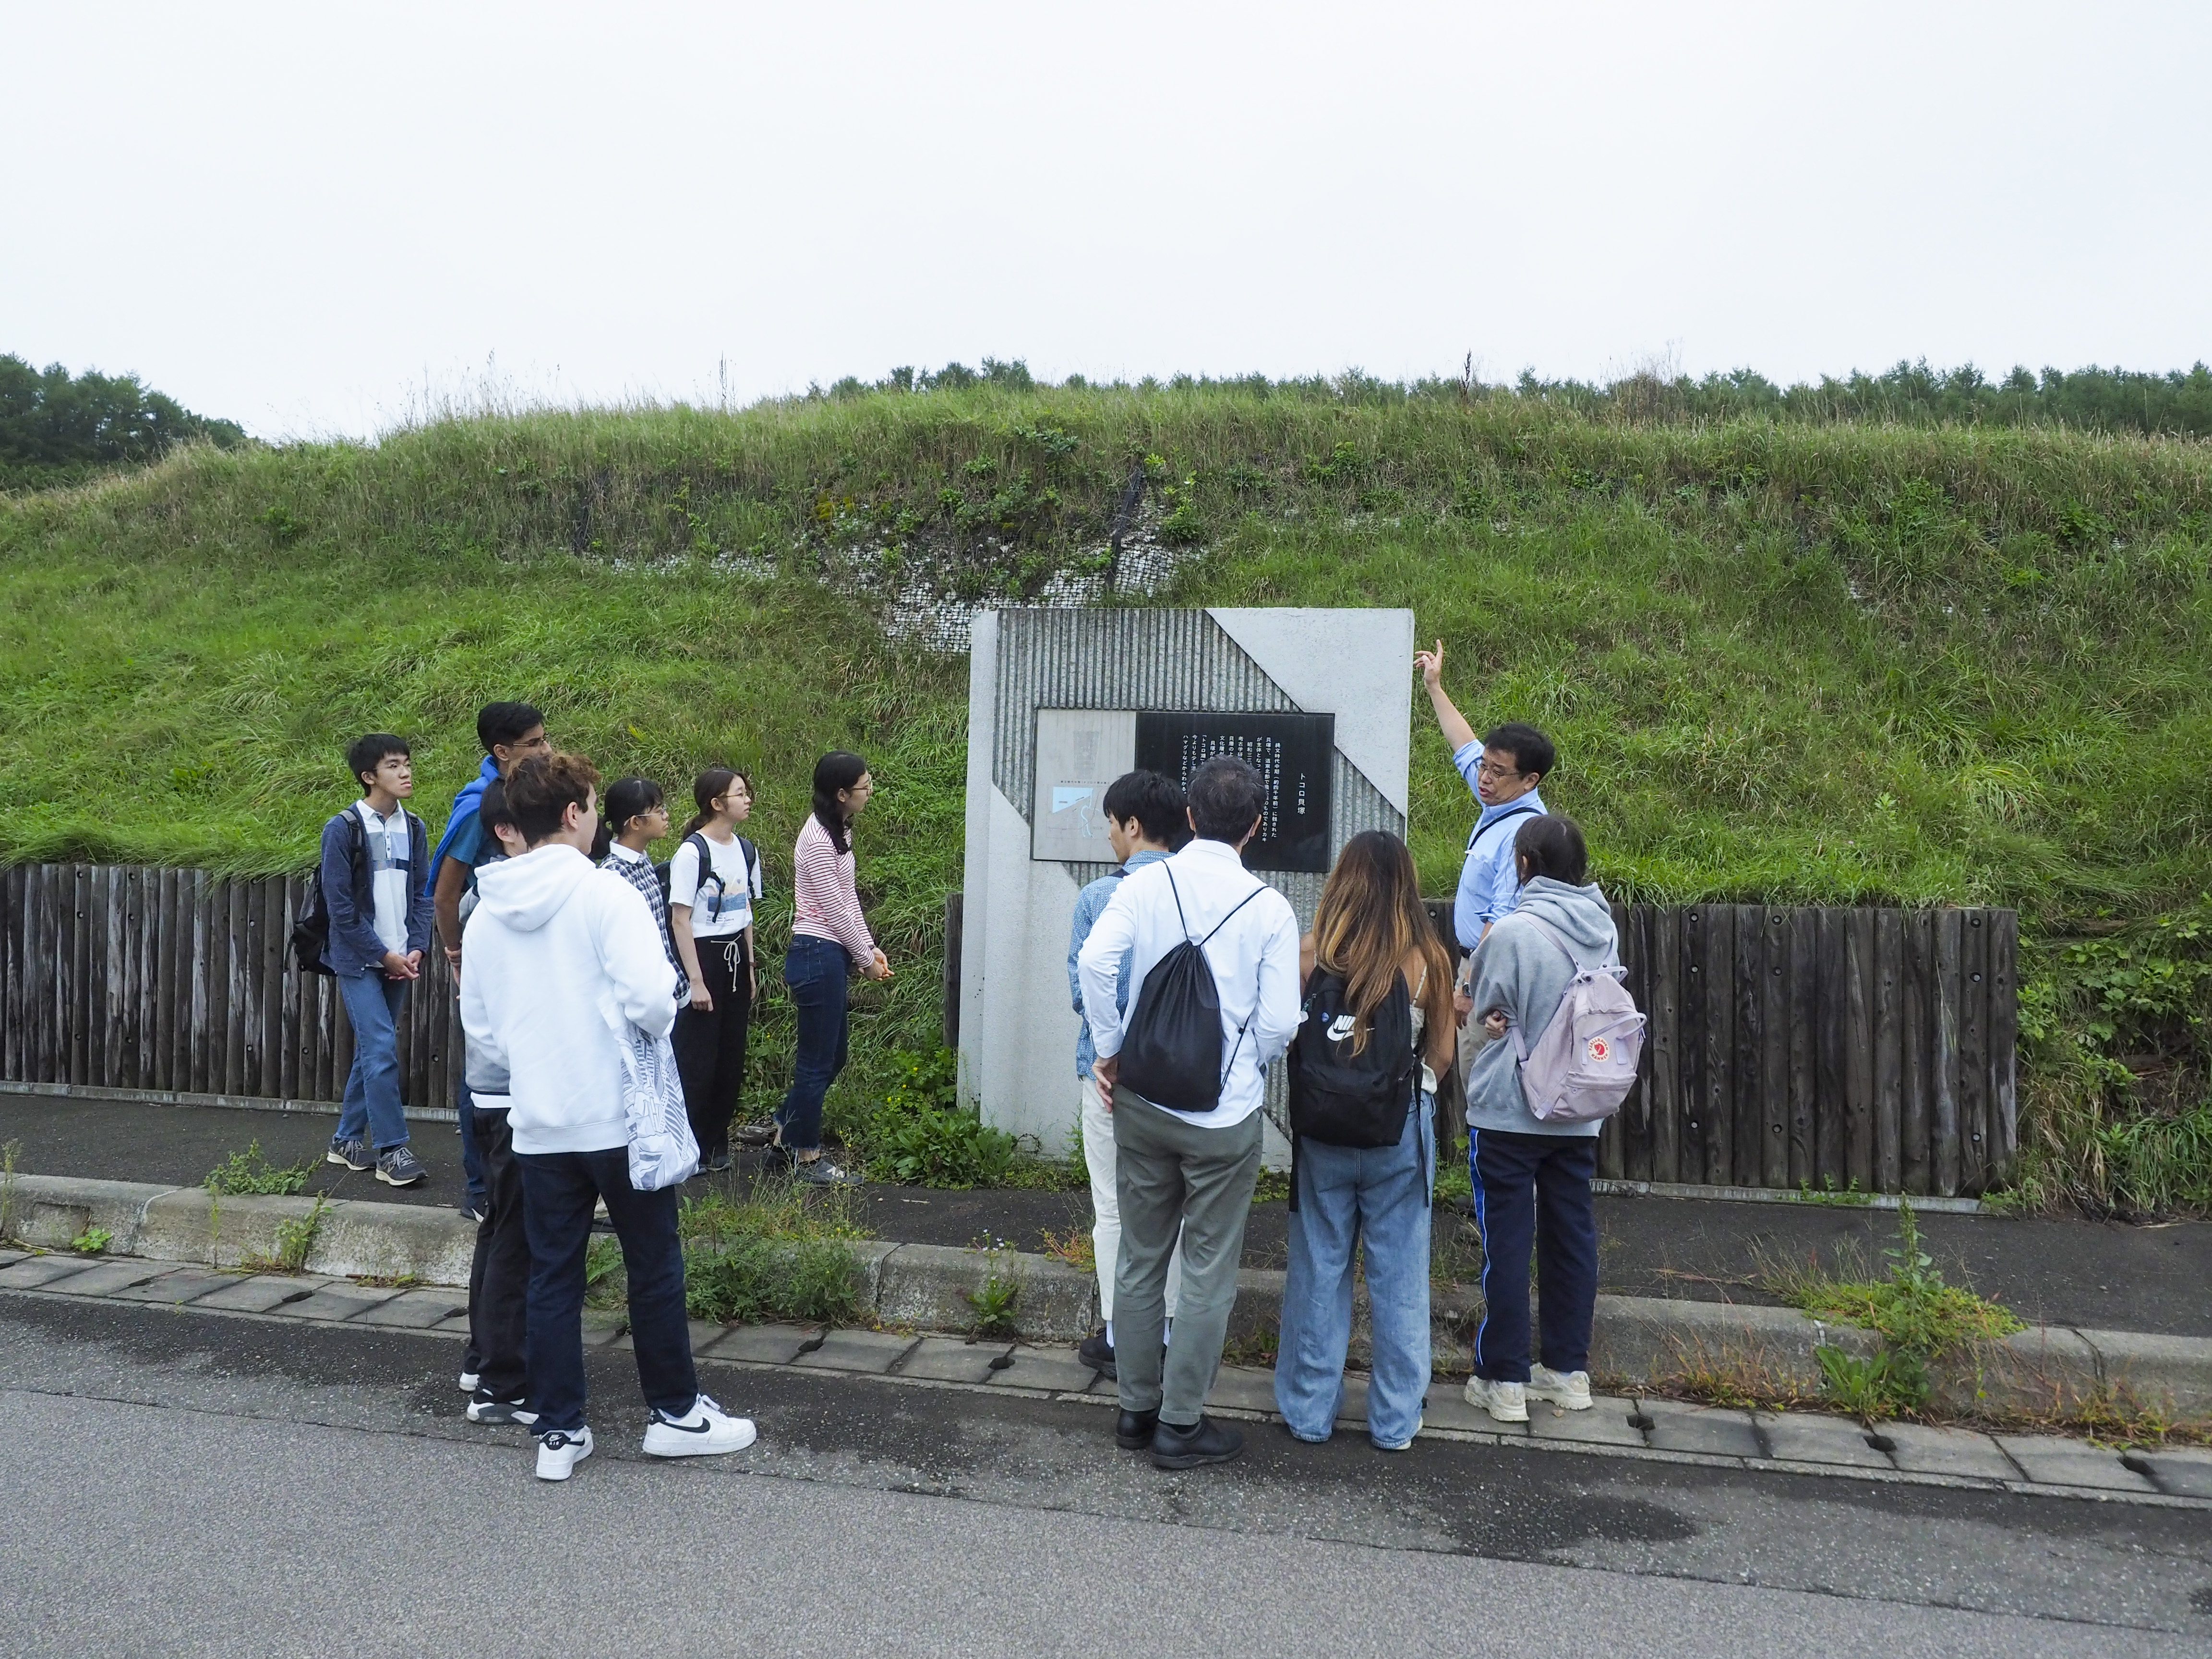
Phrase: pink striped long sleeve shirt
[825,902]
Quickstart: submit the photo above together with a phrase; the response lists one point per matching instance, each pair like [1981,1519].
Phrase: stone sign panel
[1293,754]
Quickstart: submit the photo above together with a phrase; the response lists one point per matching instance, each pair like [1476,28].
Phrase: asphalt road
[182,1482]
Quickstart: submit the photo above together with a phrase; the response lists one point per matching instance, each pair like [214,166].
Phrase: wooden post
[1774,1081]
[81,1002]
[2004,1039]
[1663,1042]
[1751,1112]
[1690,1050]
[1918,1020]
[1861,983]
[1943,1072]
[1974,1051]
[1803,1022]
[1889,1041]
[12,882]
[1721,1080]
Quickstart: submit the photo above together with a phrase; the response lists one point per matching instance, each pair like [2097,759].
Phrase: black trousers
[499,1277]
[710,1042]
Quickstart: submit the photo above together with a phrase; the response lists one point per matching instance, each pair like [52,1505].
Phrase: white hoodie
[555,948]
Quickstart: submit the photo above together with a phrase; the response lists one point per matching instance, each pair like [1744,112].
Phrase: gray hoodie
[1520,970]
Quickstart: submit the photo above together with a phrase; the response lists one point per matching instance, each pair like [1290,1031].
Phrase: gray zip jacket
[1518,969]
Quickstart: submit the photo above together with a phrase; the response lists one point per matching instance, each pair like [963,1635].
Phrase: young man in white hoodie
[561,953]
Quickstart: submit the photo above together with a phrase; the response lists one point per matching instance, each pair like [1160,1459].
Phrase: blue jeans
[816,970]
[1379,1195]
[558,1191]
[1536,1185]
[371,1110]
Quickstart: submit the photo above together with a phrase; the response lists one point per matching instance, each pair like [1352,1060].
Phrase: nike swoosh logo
[686,1428]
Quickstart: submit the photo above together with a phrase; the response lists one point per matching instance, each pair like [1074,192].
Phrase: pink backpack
[1583,1064]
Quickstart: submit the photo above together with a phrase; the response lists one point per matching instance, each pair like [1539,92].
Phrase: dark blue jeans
[558,1192]
[816,970]
[1534,1189]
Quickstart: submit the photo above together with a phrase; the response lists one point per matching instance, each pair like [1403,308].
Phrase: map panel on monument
[1294,755]
[1079,752]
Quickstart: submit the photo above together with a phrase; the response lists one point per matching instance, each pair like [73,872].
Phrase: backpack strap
[1233,910]
[1482,829]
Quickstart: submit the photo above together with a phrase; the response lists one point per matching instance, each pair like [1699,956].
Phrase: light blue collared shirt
[1089,904]
[1489,882]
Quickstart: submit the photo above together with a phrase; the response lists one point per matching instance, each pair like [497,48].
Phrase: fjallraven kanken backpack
[1583,1064]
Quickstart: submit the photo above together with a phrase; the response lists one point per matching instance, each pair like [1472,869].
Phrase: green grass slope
[1824,663]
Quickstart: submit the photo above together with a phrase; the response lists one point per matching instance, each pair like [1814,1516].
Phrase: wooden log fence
[179,981]
[1828,1049]
[1788,1045]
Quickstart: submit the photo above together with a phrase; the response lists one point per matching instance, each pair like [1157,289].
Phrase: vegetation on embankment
[1813,662]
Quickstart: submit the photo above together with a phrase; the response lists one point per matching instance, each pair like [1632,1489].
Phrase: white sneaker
[1506,1402]
[559,1452]
[1569,1391]
[469,1382]
[702,1432]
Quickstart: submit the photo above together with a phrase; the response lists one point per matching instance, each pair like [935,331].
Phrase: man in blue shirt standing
[1145,821]
[1503,770]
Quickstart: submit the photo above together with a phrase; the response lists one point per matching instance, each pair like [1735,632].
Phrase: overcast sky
[311,218]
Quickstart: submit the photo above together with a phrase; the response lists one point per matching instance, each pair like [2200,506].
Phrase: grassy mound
[1803,661]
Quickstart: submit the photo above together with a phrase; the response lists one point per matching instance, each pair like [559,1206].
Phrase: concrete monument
[1060,702]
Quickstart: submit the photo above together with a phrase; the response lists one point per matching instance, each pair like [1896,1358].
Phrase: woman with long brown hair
[1378,1027]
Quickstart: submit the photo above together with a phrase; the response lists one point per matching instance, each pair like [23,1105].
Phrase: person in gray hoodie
[1532,1179]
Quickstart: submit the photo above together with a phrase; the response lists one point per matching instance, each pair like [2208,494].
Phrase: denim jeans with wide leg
[372,1111]
[558,1192]
[816,970]
[1347,1196]
[1534,1189]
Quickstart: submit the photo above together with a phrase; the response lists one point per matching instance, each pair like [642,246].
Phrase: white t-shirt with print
[725,912]
[388,883]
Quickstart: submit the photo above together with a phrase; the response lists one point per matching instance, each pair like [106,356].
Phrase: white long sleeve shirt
[1255,958]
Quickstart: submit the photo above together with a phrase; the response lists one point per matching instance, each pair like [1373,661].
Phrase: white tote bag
[662,1152]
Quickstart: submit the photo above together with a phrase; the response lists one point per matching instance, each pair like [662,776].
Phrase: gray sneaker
[399,1168]
[821,1172]
[353,1154]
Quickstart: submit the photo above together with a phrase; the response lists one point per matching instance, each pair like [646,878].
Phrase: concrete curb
[1638,1342]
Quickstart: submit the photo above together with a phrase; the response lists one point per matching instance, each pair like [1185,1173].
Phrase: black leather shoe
[1134,1431]
[1097,1353]
[1204,1442]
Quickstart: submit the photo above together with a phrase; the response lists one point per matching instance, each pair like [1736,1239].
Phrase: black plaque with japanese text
[1295,755]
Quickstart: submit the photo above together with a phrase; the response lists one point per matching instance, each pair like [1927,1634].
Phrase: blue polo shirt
[1489,882]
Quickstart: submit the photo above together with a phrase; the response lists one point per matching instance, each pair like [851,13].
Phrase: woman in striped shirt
[829,941]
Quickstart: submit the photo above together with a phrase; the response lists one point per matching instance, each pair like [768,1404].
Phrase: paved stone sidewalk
[1800,1442]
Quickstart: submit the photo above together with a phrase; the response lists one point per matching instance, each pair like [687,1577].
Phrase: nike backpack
[1348,1094]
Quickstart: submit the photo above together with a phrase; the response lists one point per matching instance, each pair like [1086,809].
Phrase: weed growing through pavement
[1075,1248]
[1918,1315]
[92,1241]
[994,1302]
[775,1252]
[250,1172]
[295,1238]
[1828,1192]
